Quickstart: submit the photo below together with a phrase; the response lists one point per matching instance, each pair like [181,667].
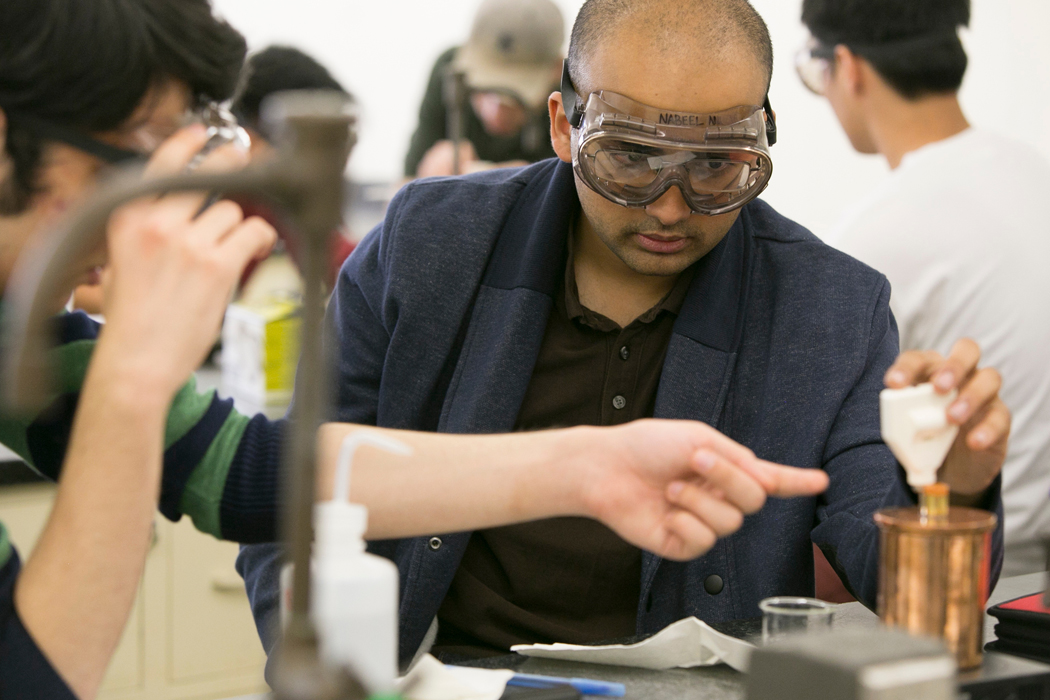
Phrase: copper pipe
[315,137]
[933,576]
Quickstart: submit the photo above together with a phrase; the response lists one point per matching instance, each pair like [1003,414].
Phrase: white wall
[382,50]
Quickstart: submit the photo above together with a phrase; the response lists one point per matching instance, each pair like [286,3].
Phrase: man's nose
[670,208]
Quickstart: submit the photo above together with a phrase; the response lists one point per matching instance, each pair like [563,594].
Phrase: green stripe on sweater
[203,495]
[5,546]
[71,363]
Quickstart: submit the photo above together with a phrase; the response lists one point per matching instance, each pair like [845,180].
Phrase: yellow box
[260,351]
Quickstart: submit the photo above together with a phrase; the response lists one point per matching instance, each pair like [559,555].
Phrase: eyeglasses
[813,63]
[55,131]
[142,140]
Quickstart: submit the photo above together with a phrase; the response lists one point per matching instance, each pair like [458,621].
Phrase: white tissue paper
[430,679]
[685,644]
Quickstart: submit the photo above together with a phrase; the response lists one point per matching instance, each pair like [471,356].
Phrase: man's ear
[850,66]
[561,130]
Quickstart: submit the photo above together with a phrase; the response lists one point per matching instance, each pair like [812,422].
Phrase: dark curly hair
[87,65]
[274,69]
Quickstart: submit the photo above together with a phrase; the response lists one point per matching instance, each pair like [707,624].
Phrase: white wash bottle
[355,594]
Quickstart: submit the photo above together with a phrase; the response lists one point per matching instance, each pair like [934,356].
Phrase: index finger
[913,367]
[745,459]
[188,205]
[958,367]
[175,153]
[946,373]
[788,482]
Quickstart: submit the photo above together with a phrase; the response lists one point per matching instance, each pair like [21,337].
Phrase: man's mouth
[662,244]
[91,277]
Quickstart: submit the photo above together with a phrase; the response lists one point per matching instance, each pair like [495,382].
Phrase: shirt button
[435,543]
[713,584]
[625,353]
[619,402]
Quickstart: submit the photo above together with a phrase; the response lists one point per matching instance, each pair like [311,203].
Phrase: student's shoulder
[446,57]
[791,246]
[439,232]
[782,236]
[455,212]
[451,193]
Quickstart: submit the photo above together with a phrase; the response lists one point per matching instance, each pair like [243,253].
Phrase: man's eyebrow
[633,147]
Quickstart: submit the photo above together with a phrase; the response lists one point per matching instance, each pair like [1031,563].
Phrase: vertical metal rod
[455,110]
[307,414]
[320,145]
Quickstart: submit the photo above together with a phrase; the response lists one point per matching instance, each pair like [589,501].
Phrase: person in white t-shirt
[959,227]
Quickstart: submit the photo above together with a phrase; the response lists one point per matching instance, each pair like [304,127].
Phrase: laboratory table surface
[723,683]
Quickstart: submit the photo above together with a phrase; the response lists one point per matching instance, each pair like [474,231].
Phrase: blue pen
[584,685]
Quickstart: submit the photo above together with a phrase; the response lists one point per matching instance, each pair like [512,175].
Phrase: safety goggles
[631,153]
[813,65]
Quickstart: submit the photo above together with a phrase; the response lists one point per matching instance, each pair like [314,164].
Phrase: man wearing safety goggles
[961,263]
[632,154]
[636,276]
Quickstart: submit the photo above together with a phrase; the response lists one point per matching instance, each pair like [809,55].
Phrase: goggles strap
[771,122]
[574,107]
[569,99]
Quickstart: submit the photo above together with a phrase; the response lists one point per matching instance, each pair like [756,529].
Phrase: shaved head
[717,28]
[692,56]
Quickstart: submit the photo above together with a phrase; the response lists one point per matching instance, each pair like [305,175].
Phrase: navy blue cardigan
[781,344]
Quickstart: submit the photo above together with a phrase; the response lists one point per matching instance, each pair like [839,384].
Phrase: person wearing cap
[637,275]
[963,259]
[510,65]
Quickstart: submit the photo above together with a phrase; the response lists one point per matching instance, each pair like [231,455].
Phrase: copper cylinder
[933,577]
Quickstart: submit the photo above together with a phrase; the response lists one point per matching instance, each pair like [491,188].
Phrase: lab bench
[723,683]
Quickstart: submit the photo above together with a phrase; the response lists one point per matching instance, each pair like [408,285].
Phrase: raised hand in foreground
[167,282]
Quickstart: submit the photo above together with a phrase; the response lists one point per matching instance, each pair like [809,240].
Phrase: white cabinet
[190,634]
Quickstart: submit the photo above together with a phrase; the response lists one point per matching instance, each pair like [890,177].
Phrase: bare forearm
[669,487]
[454,482]
[77,588]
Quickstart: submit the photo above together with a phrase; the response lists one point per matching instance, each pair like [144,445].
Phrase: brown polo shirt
[566,579]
